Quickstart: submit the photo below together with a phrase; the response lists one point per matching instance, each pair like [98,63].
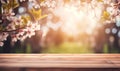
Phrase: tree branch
[13,30]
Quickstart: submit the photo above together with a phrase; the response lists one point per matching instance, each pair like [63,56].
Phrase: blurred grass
[65,47]
[28,48]
[68,47]
[105,49]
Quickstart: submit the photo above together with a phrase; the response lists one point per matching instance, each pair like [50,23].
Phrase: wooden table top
[60,60]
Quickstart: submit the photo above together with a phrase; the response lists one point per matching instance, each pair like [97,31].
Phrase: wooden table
[60,60]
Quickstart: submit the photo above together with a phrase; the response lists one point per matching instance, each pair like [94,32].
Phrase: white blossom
[22,0]
[74,8]
[1,43]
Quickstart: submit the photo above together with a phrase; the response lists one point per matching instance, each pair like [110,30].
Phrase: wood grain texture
[60,60]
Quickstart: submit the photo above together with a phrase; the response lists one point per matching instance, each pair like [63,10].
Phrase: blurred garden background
[68,26]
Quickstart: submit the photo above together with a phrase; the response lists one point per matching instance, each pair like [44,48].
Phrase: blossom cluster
[95,13]
[20,27]
[14,25]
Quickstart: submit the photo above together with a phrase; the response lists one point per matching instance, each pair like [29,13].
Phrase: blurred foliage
[28,48]
[18,50]
[65,47]
[105,48]
[1,28]
[68,47]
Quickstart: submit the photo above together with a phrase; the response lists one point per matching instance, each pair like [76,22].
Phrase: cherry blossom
[17,28]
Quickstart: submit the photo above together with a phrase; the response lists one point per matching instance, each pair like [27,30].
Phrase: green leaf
[25,19]
[24,22]
[37,14]
[11,4]
[41,0]
[105,16]
[99,0]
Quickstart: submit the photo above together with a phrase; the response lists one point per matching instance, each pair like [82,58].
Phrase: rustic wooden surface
[60,60]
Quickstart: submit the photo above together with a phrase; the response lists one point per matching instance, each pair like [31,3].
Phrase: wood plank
[60,60]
